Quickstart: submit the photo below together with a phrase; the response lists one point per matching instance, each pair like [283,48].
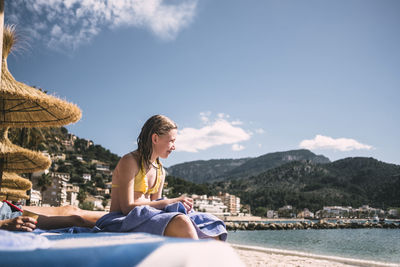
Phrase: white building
[97,202]
[270,214]
[72,195]
[59,156]
[35,197]
[87,177]
[212,205]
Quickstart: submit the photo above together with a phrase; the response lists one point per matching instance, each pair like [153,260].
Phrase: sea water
[366,244]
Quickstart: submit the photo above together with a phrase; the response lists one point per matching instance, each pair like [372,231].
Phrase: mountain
[304,184]
[226,169]
[272,160]
[202,171]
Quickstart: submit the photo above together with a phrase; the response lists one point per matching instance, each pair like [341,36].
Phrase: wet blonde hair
[157,124]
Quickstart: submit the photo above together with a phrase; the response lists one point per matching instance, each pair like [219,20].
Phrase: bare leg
[181,226]
[65,216]
[54,222]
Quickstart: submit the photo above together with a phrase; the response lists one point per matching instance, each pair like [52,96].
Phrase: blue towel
[150,220]
[19,241]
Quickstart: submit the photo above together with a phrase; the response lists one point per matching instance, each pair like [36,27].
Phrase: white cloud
[205,116]
[220,132]
[260,131]
[237,147]
[223,116]
[326,142]
[78,21]
[237,122]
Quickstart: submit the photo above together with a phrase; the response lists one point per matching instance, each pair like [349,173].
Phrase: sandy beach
[257,256]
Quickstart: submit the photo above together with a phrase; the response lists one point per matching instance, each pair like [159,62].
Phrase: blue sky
[240,78]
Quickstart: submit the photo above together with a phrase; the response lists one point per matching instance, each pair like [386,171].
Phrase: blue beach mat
[111,249]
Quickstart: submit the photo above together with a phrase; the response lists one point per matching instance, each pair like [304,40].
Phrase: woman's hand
[21,223]
[186,201]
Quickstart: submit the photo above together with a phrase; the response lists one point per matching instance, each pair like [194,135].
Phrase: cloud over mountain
[326,142]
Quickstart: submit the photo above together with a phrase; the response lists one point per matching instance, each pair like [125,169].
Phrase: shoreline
[258,256]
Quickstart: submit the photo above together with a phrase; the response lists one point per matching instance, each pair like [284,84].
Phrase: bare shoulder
[128,164]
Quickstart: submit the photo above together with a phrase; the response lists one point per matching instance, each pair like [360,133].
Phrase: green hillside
[348,182]
[226,169]
[202,171]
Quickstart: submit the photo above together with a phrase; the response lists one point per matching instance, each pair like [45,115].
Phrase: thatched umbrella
[12,194]
[19,160]
[14,181]
[14,186]
[24,106]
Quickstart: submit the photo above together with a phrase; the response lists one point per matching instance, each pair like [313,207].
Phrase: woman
[138,180]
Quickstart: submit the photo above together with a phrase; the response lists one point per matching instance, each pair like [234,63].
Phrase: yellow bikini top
[141,183]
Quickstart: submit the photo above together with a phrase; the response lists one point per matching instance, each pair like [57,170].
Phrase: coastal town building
[272,214]
[56,194]
[364,211]
[286,212]
[211,204]
[245,209]
[334,212]
[102,192]
[79,157]
[58,156]
[102,167]
[69,142]
[306,213]
[97,202]
[72,195]
[35,197]
[232,202]
[87,177]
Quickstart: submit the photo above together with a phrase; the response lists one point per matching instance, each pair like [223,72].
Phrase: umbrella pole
[1,171]
[3,135]
[1,29]
[1,50]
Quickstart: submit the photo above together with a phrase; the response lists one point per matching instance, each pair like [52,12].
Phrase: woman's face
[164,144]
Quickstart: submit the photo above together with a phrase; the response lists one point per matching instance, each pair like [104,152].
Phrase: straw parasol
[24,106]
[20,160]
[14,186]
[14,181]
[12,194]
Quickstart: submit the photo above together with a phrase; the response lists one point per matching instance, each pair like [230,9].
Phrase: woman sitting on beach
[136,198]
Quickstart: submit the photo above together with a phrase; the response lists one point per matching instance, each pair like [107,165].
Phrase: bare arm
[187,202]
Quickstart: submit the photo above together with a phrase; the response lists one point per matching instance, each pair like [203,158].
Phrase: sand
[256,256]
